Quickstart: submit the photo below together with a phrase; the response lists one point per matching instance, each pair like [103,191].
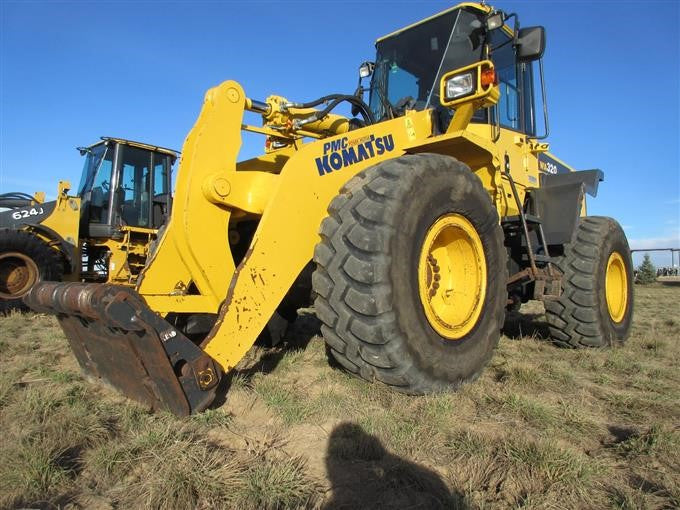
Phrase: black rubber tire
[366,277]
[580,318]
[49,261]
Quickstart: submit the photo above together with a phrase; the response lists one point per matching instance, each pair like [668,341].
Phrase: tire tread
[359,324]
[574,320]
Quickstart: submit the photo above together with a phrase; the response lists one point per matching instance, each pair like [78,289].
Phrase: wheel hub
[452,276]
[18,273]
[616,287]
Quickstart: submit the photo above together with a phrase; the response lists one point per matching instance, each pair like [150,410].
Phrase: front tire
[24,260]
[386,316]
[596,306]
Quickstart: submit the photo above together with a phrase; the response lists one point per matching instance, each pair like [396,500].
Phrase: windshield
[409,65]
[93,160]
[95,183]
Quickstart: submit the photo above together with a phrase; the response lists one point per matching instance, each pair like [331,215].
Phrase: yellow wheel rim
[616,287]
[452,276]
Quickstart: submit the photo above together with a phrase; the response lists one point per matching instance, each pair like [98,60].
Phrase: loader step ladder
[546,277]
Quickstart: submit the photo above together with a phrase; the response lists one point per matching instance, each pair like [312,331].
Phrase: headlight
[460,85]
[475,83]
[495,20]
[366,69]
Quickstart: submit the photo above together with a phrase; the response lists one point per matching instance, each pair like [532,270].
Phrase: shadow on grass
[363,474]
[518,325]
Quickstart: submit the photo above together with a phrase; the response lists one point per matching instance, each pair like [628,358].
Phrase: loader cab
[411,62]
[124,183]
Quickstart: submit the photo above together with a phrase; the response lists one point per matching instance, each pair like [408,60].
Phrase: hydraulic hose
[312,104]
[16,194]
[15,199]
[336,99]
[13,203]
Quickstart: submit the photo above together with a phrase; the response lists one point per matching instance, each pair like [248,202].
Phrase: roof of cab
[474,5]
[141,145]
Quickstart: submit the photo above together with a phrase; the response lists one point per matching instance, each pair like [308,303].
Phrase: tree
[646,272]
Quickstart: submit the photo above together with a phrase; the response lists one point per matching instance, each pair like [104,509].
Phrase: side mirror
[366,69]
[530,43]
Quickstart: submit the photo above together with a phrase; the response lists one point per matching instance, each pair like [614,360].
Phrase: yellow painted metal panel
[182,258]
[180,304]
[288,231]
[65,219]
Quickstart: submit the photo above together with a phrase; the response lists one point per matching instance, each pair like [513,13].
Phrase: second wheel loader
[419,221]
[100,232]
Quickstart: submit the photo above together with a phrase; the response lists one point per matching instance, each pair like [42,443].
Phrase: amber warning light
[488,77]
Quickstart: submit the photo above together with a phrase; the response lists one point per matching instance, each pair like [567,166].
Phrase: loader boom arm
[211,147]
[210,188]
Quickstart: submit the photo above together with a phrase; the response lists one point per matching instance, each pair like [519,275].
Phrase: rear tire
[596,306]
[369,275]
[24,259]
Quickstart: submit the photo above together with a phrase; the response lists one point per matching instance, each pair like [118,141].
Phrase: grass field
[542,428]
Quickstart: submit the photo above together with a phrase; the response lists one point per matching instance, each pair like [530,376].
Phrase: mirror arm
[515,28]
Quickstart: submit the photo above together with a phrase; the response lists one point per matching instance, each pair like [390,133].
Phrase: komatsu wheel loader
[101,233]
[420,222]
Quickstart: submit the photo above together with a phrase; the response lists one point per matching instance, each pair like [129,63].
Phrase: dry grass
[542,428]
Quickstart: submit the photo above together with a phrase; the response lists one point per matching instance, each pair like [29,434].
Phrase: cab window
[100,197]
[528,104]
[160,175]
[503,57]
[134,186]
[160,204]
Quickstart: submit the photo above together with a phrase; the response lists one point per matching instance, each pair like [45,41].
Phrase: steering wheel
[405,103]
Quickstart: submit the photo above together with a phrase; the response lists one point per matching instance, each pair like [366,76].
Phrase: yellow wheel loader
[101,233]
[420,221]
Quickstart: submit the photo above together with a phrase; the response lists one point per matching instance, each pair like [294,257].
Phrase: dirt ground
[543,427]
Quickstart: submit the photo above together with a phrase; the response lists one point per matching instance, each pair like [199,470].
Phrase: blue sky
[73,71]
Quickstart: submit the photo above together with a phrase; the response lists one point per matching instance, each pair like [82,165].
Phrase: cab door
[133,187]
[513,117]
